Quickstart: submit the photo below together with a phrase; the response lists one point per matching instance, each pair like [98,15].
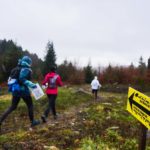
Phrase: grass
[114,128]
[16,126]
[104,125]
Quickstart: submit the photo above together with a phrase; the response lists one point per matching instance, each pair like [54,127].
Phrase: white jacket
[95,85]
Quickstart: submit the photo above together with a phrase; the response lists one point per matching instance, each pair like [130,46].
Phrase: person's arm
[59,81]
[45,80]
[99,85]
[23,78]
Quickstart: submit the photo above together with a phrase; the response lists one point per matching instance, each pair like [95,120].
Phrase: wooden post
[143,134]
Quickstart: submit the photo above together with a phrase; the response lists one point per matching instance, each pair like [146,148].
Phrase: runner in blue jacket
[20,89]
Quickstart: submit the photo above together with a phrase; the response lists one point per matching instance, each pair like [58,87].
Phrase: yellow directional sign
[138,105]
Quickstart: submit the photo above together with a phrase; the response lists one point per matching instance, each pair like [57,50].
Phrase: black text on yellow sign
[138,105]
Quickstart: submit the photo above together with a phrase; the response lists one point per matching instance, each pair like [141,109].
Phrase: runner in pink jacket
[52,81]
[50,90]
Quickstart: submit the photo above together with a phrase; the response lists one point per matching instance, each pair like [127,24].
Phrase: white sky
[102,31]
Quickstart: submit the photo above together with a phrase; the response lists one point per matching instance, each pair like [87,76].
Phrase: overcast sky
[102,31]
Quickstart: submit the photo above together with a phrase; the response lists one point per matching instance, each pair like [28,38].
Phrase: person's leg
[49,106]
[52,104]
[95,94]
[29,103]
[45,115]
[15,101]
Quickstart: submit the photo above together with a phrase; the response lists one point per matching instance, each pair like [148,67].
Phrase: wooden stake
[143,134]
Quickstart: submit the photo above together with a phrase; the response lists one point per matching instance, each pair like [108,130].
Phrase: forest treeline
[70,72]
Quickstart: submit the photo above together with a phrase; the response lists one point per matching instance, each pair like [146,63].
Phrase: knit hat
[26,61]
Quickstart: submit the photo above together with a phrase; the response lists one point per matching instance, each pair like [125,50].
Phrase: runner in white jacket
[95,85]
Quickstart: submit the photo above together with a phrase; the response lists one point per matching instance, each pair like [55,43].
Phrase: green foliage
[68,98]
[112,142]
[95,113]
[97,144]
[130,144]
[112,135]
[4,138]
[88,144]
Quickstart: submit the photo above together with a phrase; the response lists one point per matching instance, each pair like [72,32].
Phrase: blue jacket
[24,78]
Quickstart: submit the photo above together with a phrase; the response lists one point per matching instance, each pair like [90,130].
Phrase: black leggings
[51,105]
[15,101]
[94,93]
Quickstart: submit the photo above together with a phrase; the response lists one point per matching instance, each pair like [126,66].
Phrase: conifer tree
[50,58]
[142,66]
[88,73]
[148,71]
[148,66]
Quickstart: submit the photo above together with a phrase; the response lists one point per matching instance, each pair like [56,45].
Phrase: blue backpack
[13,83]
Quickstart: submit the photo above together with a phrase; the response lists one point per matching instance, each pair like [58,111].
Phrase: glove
[33,86]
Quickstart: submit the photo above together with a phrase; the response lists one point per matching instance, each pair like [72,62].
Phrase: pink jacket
[58,83]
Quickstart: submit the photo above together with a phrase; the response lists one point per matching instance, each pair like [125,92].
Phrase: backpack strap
[54,78]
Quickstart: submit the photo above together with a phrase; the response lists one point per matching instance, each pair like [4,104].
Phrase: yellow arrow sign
[138,105]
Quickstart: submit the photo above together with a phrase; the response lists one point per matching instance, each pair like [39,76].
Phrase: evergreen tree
[9,55]
[148,71]
[142,66]
[50,58]
[63,70]
[88,73]
[10,52]
[148,66]
[131,67]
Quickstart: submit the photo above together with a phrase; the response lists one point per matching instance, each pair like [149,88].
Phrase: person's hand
[33,86]
[43,86]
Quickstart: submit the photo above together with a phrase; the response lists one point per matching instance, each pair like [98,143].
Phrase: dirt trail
[69,116]
[66,119]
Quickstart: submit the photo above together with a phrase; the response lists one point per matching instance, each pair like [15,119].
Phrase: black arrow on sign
[131,101]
